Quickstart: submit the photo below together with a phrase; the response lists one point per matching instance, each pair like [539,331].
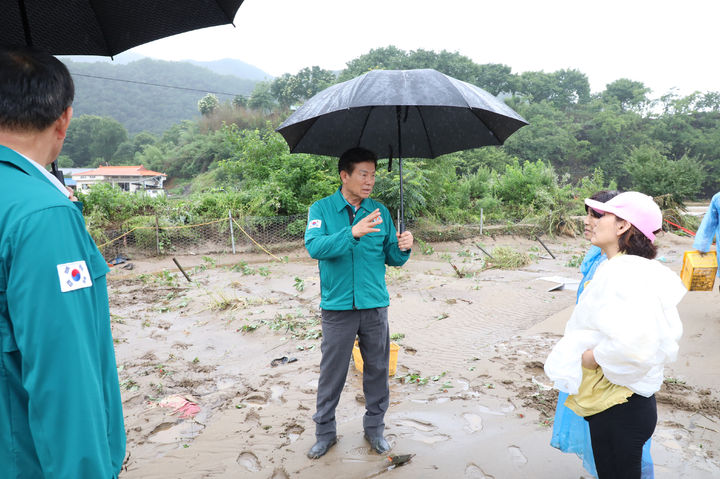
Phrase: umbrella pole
[402,199]
[401,226]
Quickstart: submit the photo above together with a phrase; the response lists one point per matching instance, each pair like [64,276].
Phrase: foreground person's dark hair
[35,89]
[634,242]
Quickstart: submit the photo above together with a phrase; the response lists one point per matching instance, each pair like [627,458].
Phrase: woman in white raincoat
[623,331]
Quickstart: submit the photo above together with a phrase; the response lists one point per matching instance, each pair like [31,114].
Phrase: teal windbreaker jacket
[60,407]
[352,271]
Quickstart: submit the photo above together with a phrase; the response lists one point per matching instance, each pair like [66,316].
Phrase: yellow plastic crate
[394,348]
[698,271]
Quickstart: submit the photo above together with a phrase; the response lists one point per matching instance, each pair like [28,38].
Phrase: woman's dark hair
[355,155]
[602,196]
[634,242]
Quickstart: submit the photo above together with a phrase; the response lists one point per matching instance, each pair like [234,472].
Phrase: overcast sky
[664,44]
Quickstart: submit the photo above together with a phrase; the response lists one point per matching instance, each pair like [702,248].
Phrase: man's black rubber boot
[378,444]
[321,447]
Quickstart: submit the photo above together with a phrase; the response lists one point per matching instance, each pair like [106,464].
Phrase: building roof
[139,170]
[74,171]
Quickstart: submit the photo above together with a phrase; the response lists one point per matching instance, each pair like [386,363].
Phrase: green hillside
[142,107]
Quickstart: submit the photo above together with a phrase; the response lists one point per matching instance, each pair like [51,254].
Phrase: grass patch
[505,257]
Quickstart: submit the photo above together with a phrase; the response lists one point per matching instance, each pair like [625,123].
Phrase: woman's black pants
[618,435]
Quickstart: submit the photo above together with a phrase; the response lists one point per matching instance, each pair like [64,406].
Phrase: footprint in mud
[310,387]
[416,424]
[162,427]
[252,418]
[249,461]
[516,456]
[358,451]
[474,422]
[367,451]
[474,472]
[279,474]
[257,398]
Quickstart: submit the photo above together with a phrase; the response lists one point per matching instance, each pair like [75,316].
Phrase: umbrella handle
[57,173]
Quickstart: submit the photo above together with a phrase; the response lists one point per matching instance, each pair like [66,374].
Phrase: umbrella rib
[499,142]
[25,22]
[427,135]
[230,19]
[108,48]
[362,130]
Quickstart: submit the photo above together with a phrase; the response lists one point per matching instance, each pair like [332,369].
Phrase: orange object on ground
[394,348]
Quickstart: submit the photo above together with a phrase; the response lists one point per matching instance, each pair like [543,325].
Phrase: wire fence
[158,236]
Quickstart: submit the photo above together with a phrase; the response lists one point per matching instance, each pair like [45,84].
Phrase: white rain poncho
[628,316]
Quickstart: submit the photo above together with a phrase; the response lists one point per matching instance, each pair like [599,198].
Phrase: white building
[128,178]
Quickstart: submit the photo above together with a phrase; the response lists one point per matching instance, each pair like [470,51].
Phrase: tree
[262,98]
[208,104]
[563,88]
[93,139]
[386,58]
[270,179]
[126,151]
[291,90]
[654,174]
[240,101]
[631,95]
[495,78]
[64,161]
[552,136]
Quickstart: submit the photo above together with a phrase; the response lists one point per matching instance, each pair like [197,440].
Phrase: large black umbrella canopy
[105,27]
[400,113]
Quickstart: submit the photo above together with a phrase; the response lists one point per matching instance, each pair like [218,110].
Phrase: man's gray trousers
[339,329]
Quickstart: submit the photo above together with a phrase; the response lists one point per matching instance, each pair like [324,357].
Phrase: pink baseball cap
[639,209]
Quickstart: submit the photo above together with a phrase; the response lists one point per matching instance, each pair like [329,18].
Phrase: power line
[154,84]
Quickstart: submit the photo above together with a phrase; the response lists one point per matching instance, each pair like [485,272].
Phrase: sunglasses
[593,213]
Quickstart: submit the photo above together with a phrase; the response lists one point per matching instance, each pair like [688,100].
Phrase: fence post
[232,233]
[157,235]
[481,221]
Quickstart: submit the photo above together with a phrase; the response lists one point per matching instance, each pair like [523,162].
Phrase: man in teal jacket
[60,406]
[353,238]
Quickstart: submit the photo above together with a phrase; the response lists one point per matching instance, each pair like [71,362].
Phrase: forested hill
[231,66]
[141,107]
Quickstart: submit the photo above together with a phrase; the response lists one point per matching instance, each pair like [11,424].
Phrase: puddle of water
[419,425]
[474,422]
[249,461]
[516,456]
[429,439]
[487,410]
[354,460]
[185,431]
[276,393]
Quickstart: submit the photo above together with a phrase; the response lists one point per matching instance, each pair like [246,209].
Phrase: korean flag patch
[314,224]
[73,276]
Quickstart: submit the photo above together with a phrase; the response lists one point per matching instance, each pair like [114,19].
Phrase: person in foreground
[709,229]
[60,407]
[353,237]
[571,432]
[623,331]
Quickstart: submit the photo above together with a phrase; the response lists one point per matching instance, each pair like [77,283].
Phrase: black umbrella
[105,27]
[400,113]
